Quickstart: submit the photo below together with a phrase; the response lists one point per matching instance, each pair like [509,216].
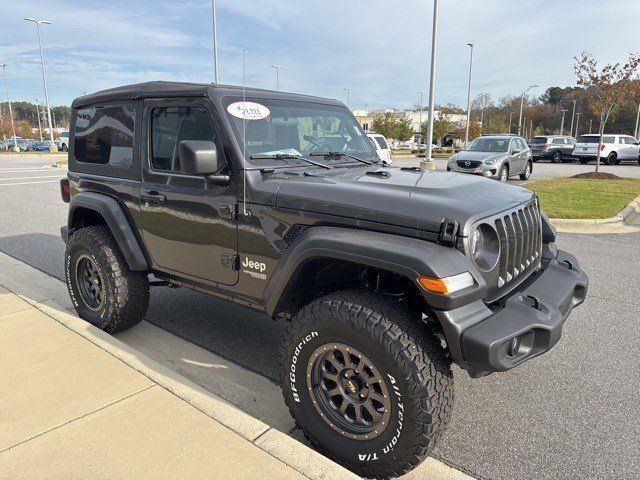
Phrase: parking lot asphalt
[572,413]
[543,169]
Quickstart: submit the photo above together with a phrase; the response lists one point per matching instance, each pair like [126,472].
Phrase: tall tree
[393,127]
[606,87]
[442,125]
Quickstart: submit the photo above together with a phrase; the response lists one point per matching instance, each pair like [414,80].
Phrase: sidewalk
[70,409]
[77,403]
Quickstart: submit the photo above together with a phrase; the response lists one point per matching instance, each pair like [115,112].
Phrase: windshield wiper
[339,154]
[286,156]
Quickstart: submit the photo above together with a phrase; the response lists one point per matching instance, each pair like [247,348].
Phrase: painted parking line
[26,183]
[2,179]
[30,169]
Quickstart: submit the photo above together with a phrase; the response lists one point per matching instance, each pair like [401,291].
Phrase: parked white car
[613,150]
[382,147]
[63,142]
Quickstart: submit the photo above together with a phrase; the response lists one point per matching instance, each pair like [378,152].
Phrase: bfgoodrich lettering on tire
[104,291]
[367,382]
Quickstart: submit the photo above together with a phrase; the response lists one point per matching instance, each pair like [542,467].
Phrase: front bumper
[526,324]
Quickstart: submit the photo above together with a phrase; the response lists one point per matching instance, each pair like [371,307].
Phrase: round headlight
[484,247]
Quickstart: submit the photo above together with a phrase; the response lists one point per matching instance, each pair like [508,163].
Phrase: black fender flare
[409,257]
[113,214]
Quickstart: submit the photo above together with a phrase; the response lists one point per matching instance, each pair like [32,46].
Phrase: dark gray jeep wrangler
[277,201]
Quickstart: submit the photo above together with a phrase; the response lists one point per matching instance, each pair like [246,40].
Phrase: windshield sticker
[248,110]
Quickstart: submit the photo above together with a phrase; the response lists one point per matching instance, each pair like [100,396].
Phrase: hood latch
[448,235]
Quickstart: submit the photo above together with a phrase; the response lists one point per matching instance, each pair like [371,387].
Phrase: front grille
[468,164]
[520,235]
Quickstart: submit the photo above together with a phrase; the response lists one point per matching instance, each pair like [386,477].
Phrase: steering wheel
[317,146]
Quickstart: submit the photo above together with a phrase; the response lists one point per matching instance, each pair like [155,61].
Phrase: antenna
[244,138]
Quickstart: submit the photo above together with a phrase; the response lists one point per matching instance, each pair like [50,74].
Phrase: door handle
[153,197]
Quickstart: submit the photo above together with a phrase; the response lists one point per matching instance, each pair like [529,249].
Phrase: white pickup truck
[613,149]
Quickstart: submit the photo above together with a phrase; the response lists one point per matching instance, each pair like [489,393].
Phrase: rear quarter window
[104,135]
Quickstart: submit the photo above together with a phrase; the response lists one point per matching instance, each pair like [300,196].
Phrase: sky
[379,50]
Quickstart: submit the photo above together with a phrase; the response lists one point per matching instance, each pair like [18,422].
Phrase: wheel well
[85,217]
[319,277]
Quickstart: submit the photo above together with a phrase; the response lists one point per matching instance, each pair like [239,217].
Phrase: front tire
[367,382]
[583,161]
[527,172]
[503,175]
[104,291]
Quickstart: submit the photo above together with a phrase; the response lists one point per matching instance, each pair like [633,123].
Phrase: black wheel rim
[348,391]
[89,281]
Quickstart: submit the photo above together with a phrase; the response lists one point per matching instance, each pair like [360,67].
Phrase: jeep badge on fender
[384,276]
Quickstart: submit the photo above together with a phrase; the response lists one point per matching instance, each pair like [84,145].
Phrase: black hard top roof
[161,89]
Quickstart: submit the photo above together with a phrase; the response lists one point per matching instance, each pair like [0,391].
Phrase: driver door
[188,226]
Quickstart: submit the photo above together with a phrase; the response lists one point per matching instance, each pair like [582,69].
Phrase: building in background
[366,117]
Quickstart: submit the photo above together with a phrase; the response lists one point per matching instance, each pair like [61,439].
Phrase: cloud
[376,48]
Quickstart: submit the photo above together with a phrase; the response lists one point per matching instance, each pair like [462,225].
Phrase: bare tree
[606,87]
[481,102]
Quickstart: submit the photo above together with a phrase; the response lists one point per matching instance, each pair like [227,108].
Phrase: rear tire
[556,157]
[583,161]
[104,291]
[611,159]
[392,359]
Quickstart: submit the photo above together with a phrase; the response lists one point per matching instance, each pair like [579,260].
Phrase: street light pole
[420,118]
[6,91]
[277,68]
[524,128]
[562,122]
[635,132]
[590,125]
[428,161]
[510,116]
[522,106]
[466,135]
[52,146]
[347,90]
[573,114]
[577,123]
[215,42]
[38,115]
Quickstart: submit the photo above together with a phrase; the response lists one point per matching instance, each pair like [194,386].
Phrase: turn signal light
[447,285]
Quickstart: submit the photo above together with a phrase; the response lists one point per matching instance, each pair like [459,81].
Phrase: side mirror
[515,150]
[199,157]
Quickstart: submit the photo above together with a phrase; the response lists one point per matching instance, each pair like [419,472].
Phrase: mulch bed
[598,176]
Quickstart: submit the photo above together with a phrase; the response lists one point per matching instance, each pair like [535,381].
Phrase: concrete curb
[14,276]
[598,225]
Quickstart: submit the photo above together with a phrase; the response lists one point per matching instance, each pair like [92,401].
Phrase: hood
[408,198]
[477,156]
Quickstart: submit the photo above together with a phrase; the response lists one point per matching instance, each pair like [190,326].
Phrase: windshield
[275,127]
[488,145]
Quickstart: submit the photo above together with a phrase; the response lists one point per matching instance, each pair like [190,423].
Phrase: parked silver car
[494,156]
[557,148]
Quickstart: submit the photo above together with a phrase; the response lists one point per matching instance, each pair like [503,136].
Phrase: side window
[519,144]
[172,125]
[557,140]
[382,142]
[104,135]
